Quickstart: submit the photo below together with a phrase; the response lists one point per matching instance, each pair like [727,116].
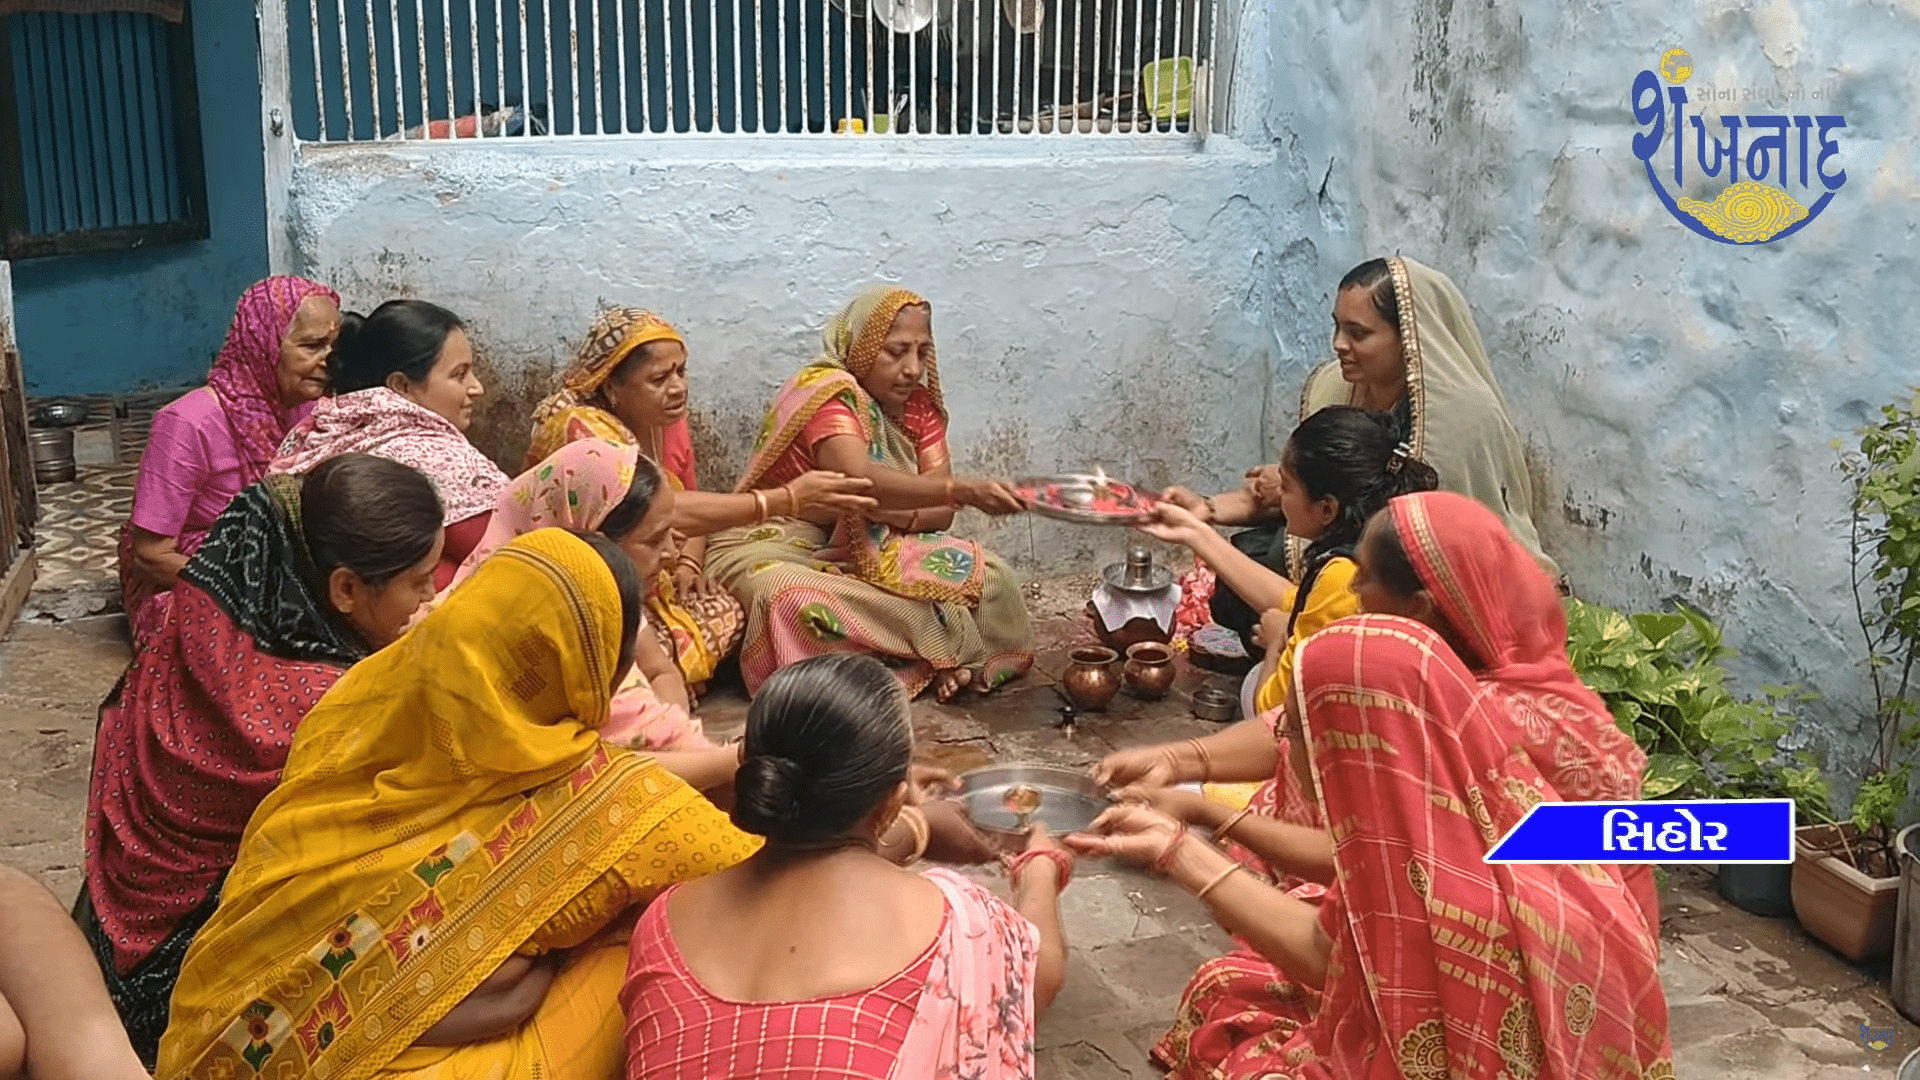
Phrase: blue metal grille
[99,134]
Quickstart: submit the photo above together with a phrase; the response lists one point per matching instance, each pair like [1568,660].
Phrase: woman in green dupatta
[1404,343]
[890,582]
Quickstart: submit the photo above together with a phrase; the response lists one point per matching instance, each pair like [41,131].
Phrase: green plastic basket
[1168,87]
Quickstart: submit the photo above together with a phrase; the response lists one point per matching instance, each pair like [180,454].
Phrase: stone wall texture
[1152,307]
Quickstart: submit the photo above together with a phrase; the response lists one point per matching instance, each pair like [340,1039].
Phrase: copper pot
[1090,679]
[1149,670]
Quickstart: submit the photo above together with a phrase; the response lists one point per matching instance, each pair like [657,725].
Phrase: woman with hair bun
[406,391]
[820,956]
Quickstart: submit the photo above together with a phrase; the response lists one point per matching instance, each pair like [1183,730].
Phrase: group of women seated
[406,776]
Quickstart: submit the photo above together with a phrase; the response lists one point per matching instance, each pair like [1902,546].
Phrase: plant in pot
[1661,674]
[1847,876]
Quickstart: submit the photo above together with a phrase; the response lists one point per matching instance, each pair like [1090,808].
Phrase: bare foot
[950,682]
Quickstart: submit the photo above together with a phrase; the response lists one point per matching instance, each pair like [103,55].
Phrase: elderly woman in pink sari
[208,445]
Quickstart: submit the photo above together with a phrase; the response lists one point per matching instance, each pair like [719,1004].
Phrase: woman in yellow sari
[890,582]
[628,385]
[436,888]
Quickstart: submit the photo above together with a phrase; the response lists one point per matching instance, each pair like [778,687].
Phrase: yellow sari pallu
[447,805]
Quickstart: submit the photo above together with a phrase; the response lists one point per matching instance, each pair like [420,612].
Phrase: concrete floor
[1751,998]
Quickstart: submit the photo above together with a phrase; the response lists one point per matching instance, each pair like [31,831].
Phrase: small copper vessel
[1149,670]
[1091,679]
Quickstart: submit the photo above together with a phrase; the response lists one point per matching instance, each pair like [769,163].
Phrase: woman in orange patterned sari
[891,582]
[436,888]
[1430,963]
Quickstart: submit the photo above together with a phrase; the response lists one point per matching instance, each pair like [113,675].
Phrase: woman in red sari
[299,579]
[1450,562]
[1429,962]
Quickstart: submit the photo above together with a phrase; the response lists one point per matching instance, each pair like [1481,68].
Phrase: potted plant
[1846,876]
[1661,674]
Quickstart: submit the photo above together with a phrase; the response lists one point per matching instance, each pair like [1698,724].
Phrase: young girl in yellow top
[1340,467]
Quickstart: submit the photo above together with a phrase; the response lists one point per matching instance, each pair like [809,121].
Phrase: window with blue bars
[99,127]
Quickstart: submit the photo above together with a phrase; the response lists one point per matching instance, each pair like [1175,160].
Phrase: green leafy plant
[1883,542]
[1661,675]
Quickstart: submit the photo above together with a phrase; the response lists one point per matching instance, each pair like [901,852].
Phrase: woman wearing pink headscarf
[210,443]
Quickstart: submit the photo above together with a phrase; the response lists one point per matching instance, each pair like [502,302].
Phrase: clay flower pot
[1849,911]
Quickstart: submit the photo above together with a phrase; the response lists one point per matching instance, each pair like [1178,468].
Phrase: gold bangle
[1206,759]
[916,823]
[760,501]
[1217,879]
[793,501]
[1227,825]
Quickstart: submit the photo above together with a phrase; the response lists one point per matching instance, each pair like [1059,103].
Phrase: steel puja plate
[998,798]
[1087,499]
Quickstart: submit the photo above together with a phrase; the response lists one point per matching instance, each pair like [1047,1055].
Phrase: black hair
[373,516]
[406,336]
[1349,454]
[1376,277]
[635,359]
[827,741]
[632,509]
[1387,558]
[626,581]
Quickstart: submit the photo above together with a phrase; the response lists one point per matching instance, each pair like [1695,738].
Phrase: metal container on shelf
[52,453]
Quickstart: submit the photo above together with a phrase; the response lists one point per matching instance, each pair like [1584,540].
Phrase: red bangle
[1062,862]
[1164,861]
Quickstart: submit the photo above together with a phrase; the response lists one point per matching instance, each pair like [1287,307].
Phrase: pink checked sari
[1442,965]
[963,1009]
[575,488]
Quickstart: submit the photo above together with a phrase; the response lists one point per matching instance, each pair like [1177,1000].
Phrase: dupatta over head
[1459,424]
[1492,591]
[1444,964]
[247,648]
[576,488]
[440,805]
[578,410]
[919,566]
[245,375]
[386,423]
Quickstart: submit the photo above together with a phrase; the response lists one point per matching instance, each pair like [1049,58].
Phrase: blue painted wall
[103,323]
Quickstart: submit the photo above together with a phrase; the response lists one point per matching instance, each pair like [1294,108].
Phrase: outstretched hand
[1130,831]
[1173,524]
[1150,765]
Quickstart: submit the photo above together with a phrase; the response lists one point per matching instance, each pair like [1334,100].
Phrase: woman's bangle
[793,501]
[1163,862]
[913,522]
[1062,864]
[760,503]
[1227,825]
[1213,515]
[916,823]
[1217,879]
[1206,759]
